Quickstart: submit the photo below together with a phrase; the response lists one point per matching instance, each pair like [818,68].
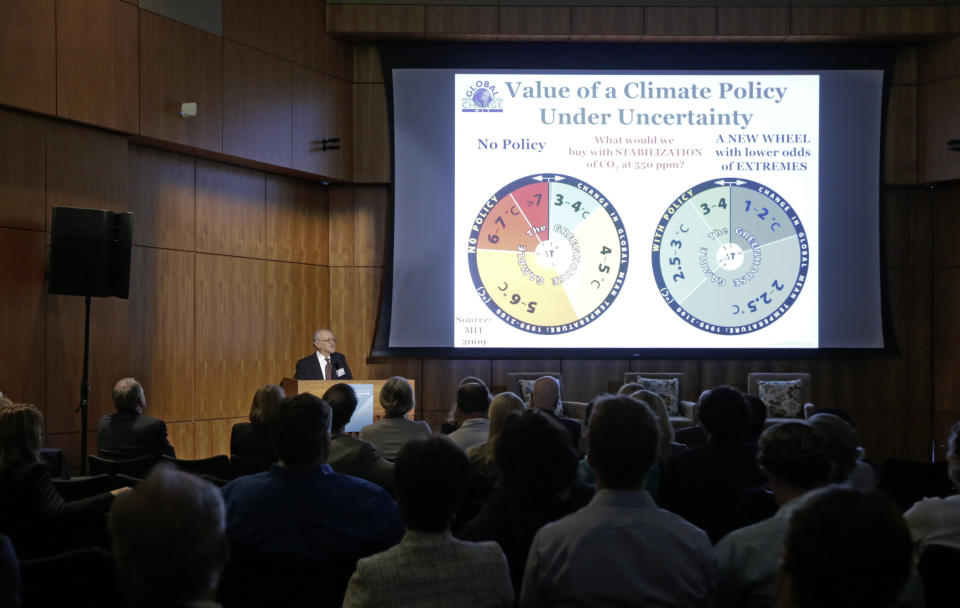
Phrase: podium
[292,386]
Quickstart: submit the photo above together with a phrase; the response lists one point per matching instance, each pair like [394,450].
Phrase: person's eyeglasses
[325,340]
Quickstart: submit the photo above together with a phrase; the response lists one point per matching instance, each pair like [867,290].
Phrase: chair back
[138,467]
[241,465]
[215,466]
[938,567]
[684,383]
[906,482]
[85,487]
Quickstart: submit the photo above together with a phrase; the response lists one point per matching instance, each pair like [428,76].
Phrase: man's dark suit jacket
[121,436]
[308,368]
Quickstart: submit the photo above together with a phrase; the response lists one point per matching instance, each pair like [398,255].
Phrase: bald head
[545,394]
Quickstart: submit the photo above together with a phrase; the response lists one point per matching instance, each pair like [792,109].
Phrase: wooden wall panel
[826,20]
[321,109]
[370,225]
[916,20]
[213,436]
[461,22]
[296,221]
[824,376]
[939,60]
[97,71]
[338,56]
[298,304]
[939,122]
[181,436]
[180,64]
[257,109]
[230,342]
[354,296]
[162,329]
[70,444]
[22,323]
[28,60]
[366,64]
[440,380]
[342,213]
[22,171]
[769,22]
[585,379]
[231,210]
[110,357]
[681,21]
[85,168]
[946,356]
[599,23]
[163,198]
[946,226]
[535,22]
[371,135]
[900,150]
[308,32]
[263,25]
[381,19]
[714,372]
[907,227]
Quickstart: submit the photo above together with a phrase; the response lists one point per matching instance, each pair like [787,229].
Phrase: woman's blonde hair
[503,407]
[20,429]
[655,403]
[396,397]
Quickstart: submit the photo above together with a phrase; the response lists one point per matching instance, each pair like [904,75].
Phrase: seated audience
[168,540]
[502,407]
[545,397]
[32,513]
[620,550]
[300,507]
[793,455]
[757,419]
[473,403]
[538,484]
[430,567]
[703,485]
[936,521]
[843,447]
[127,433]
[251,440]
[696,435]
[844,549]
[455,417]
[390,433]
[349,455]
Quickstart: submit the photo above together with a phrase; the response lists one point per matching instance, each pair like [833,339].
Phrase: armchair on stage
[368,410]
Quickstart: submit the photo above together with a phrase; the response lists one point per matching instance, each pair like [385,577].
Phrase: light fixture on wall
[327,143]
[188,109]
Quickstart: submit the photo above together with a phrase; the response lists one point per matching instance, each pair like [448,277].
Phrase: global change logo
[481,96]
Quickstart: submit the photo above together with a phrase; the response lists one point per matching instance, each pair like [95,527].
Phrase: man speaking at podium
[325,364]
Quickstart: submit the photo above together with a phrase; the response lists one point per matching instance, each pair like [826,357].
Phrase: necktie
[328,370]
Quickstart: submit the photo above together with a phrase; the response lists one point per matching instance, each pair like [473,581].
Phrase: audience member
[794,457]
[843,447]
[473,403]
[668,447]
[455,416]
[757,419]
[704,484]
[390,433]
[301,508]
[429,567]
[168,540]
[251,441]
[545,397]
[538,474]
[936,521]
[696,435]
[32,513]
[502,407]
[844,549]
[349,455]
[127,432]
[620,549]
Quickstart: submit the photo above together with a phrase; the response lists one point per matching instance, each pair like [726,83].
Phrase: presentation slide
[673,210]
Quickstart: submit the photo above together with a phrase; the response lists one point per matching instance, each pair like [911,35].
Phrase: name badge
[340,373]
